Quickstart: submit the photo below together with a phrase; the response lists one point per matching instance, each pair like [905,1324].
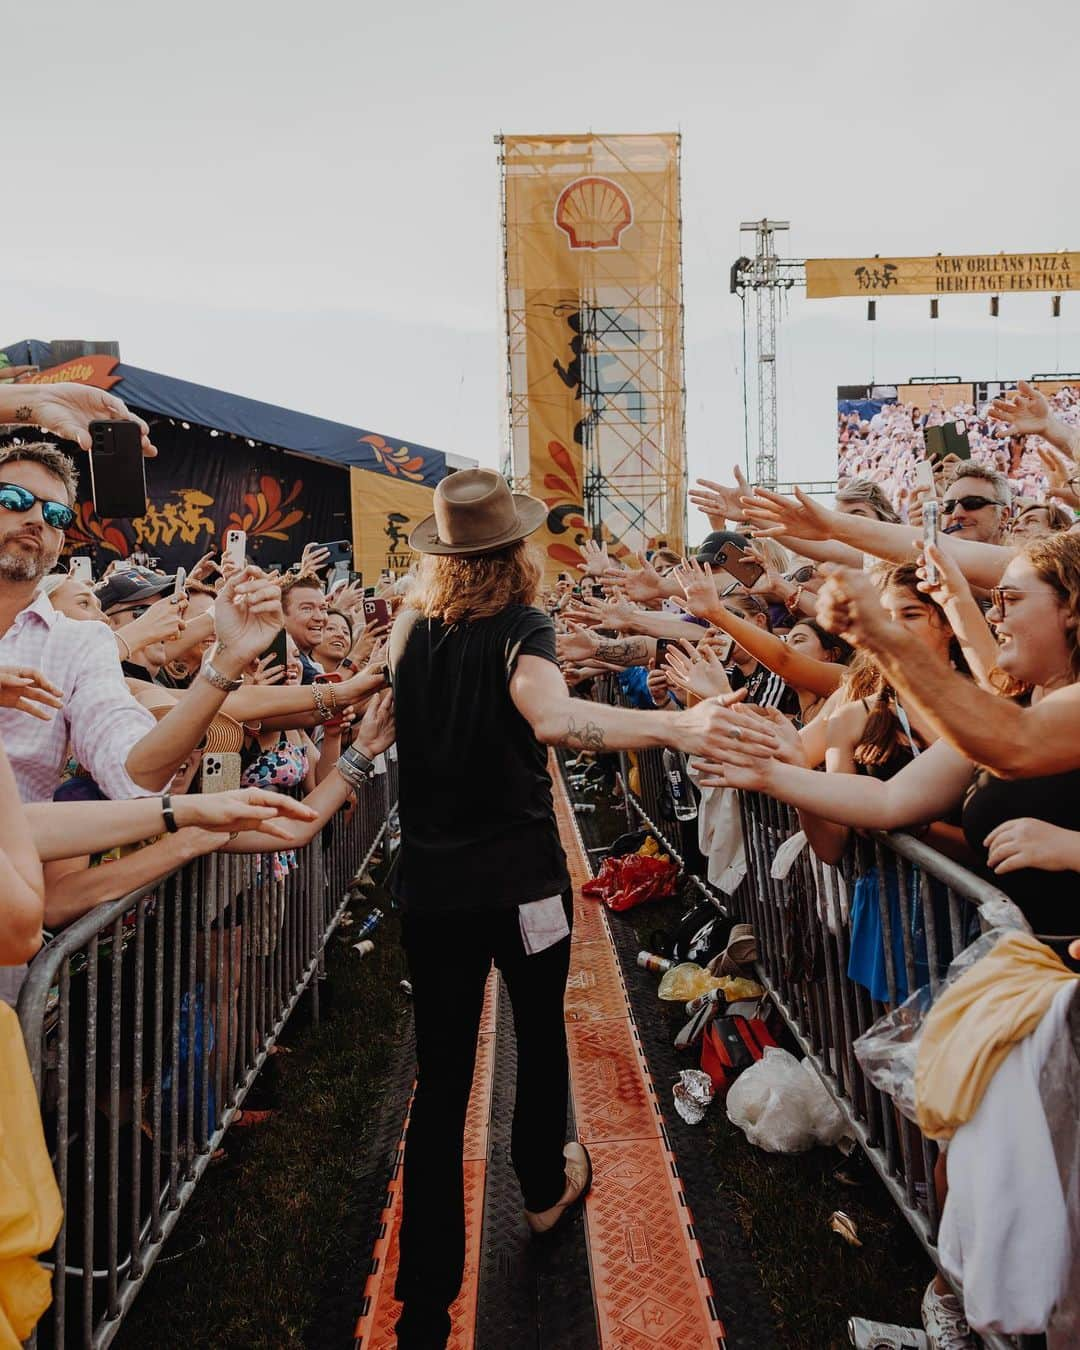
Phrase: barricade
[146,1022]
[926,903]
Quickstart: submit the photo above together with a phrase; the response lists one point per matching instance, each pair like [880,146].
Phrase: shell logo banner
[384,512]
[594,330]
[944,274]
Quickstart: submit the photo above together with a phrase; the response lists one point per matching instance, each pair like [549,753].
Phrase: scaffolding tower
[620,362]
[765,275]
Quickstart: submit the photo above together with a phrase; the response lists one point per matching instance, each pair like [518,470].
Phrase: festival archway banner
[384,512]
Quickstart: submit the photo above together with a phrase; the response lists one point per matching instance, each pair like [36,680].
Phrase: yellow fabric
[974,1025]
[30,1210]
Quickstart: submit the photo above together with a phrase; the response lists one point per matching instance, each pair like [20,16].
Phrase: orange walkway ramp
[649,1285]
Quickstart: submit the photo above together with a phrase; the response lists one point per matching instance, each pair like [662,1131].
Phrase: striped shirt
[100,720]
[767,690]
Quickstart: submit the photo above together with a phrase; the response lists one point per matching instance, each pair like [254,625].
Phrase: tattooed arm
[541,696]
[584,644]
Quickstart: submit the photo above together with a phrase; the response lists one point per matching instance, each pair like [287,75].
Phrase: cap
[128,588]
[713,544]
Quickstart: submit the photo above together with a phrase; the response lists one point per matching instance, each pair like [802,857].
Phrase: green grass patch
[272,1230]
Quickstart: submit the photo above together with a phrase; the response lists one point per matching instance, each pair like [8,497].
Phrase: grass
[270,1251]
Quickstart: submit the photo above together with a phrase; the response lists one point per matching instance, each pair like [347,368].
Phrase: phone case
[117,470]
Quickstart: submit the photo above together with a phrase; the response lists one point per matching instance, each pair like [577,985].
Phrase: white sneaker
[945,1323]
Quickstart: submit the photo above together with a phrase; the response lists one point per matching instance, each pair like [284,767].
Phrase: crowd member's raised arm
[800,522]
[1027,412]
[66,410]
[953,594]
[68,829]
[794,667]
[1002,735]
[583,644]
[247,615]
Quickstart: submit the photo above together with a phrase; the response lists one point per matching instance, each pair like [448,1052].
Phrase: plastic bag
[685,982]
[782,1106]
[887,1051]
[624,882]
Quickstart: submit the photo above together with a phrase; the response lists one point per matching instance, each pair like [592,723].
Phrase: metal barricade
[146,1022]
[926,906]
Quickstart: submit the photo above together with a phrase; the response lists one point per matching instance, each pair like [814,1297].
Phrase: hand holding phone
[81,569]
[376,612]
[931,510]
[235,551]
[741,564]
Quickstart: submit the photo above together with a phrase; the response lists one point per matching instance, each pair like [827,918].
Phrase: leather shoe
[578,1181]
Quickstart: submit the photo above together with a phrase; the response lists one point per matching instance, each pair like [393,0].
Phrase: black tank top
[1050,901]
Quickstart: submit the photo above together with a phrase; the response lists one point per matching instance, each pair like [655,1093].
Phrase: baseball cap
[713,544]
[128,588]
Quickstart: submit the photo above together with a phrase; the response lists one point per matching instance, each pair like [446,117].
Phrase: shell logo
[593,212]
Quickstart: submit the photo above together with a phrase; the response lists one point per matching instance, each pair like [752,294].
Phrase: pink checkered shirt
[100,718]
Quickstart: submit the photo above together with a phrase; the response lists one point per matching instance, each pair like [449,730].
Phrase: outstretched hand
[849,605]
[1026,411]
[67,410]
[28,691]
[772,515]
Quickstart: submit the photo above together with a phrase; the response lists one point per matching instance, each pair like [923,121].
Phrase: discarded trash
[368,926]
[657,964]
[781,1105]
[843,1224]
[364,948]
[689,981]
[865,1335]
[693,1093]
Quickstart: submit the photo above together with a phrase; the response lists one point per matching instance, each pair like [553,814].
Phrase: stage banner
[594,333]
[384,512]
[199,486]
[945,274]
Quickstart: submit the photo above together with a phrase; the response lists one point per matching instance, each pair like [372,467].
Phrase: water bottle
[370,924]
[682,797]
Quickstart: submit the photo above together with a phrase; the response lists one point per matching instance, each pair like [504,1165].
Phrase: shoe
[578,1181]
[944,1321]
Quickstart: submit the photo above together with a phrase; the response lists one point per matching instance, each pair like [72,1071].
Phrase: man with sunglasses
[116,740]
[977,504]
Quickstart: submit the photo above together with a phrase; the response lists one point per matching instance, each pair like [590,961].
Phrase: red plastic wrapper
[624,882]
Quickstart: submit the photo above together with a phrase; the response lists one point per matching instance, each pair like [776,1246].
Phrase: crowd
[887,445]
[877,680]
[827,657]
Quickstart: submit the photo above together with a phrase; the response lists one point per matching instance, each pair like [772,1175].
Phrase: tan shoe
[578,1181]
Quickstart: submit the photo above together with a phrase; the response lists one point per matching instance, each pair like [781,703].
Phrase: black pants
[449,958]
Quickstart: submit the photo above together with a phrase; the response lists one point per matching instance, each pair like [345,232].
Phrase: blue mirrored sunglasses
[16,498]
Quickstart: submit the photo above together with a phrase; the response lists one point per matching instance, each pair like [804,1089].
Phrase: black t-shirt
[477,818]
[1048,899]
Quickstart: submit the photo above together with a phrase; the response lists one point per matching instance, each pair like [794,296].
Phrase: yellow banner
[594,327]
[946,274]
[384,512]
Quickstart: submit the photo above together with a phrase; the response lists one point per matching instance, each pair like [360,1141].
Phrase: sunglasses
[1000,597]
[802,575]
[16,498]
[968,503]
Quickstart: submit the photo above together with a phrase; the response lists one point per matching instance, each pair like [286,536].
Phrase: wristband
[167,813]
[791,604]
[355,767]
[219,681]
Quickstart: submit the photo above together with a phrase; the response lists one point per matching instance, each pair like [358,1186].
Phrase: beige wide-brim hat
[475,512]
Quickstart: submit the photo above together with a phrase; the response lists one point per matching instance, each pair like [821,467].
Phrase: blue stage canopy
[332,442]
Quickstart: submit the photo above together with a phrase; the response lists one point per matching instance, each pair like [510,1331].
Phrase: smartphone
[81,569]
[340,550]
[376,612]
[924,476]
[178,584]
[931,511]
[741,564]
[949,439]
[356,578]
[278,650]
[117,470]
[662,644]
[564,576]
[236,547]
[598,591]
[724,648]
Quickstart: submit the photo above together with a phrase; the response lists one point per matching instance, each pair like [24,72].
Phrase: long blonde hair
[458,587]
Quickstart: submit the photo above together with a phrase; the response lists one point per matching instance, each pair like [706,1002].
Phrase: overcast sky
[300,202]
